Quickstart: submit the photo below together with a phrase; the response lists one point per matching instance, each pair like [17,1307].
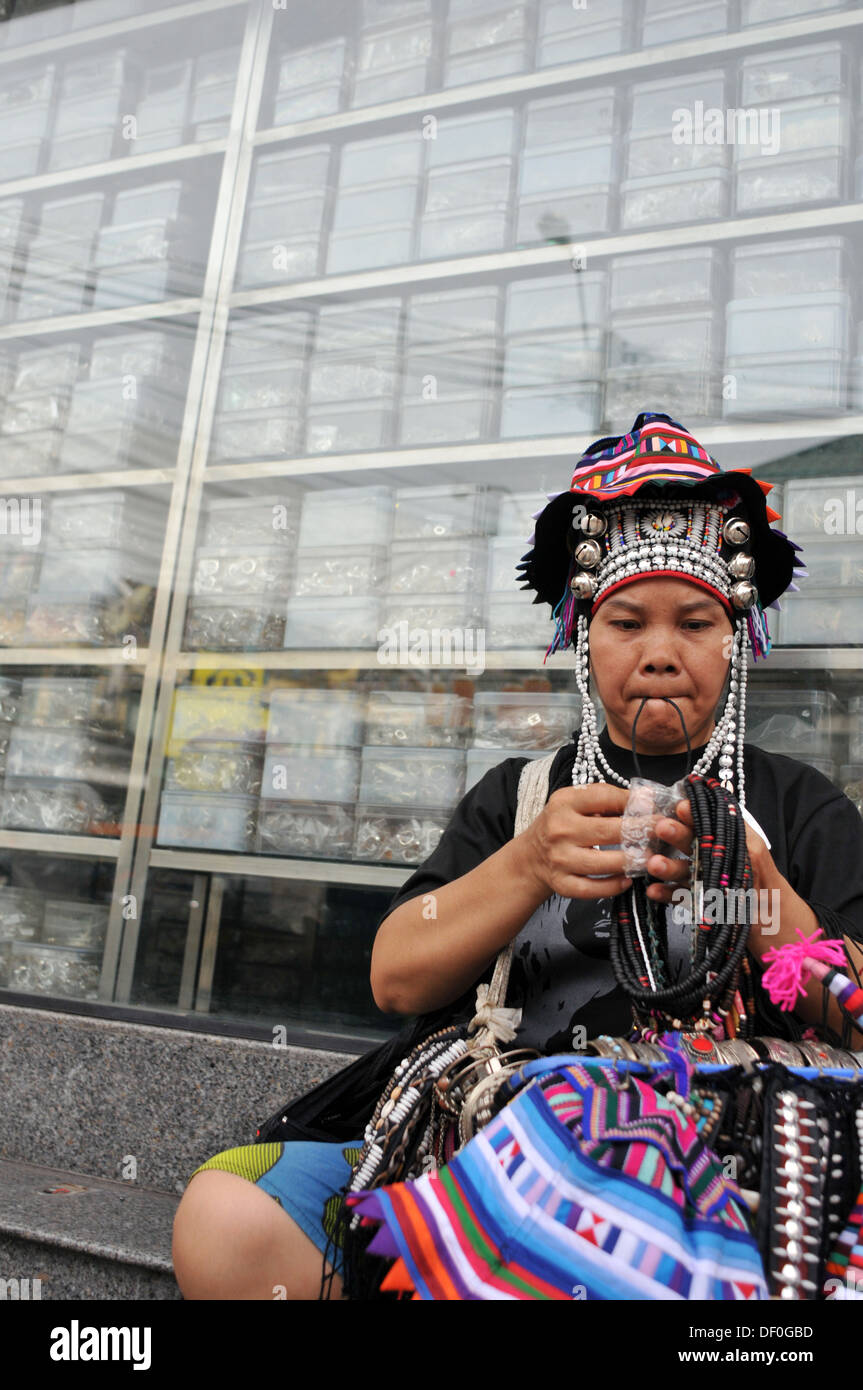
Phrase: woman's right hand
[557,849]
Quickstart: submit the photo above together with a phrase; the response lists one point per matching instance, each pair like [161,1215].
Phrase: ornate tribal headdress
[651,503]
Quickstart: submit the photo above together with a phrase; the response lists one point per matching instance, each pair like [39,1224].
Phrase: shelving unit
[163,663]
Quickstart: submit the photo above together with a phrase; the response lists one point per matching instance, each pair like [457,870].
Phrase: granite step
[67,1235]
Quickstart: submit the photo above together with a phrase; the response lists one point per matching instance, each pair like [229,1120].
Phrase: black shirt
[562,976]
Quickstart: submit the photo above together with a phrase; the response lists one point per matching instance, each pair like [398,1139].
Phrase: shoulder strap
[533,785]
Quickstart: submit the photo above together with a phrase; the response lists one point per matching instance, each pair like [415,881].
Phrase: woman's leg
[233,1241]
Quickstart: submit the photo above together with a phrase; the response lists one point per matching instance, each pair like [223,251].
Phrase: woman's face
[660,637]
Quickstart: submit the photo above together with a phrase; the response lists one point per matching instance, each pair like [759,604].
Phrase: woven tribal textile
[586,1186]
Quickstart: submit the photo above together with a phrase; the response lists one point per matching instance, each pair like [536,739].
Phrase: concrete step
[66,1235]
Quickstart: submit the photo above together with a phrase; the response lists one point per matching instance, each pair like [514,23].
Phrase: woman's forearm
[432,948]
[792,913]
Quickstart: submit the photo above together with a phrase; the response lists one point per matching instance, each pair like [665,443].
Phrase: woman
[668,562]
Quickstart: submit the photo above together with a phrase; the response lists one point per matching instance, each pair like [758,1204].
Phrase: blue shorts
[305,1179]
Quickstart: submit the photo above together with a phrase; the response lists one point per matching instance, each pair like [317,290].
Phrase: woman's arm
[429,950]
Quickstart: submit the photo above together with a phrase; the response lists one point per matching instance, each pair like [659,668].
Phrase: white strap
[494,1022]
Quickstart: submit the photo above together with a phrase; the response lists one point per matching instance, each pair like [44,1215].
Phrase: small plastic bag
[647,802]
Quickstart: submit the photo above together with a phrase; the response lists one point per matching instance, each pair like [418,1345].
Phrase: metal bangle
[738,1051]
[789,1054]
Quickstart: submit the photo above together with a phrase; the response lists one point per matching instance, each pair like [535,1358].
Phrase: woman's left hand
[674,872]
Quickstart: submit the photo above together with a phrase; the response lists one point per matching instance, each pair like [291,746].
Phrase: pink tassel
[792,964]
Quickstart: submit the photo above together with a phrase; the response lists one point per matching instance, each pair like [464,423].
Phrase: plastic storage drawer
[819,507]
[427,513]
[240,623]
[482,760]
[294,772]
[250,521]
[223,715]
[798,723]
[826,618]
[387,836]
[444,567]
[224,571]
[524,719]
[349,570]
[420,777]
[332,718]
[196,820]
[305,829]
[416,719]
[218,768]
[332,622]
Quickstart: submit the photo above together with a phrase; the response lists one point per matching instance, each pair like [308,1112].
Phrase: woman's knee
[233,1241]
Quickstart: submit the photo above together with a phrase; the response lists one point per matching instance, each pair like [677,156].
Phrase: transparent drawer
[452,369]
[799,723]
[10,698]
[788,324]
[75,924]
[518,512]
[293,772]
[556,120]
[332,622]
[449,315]
[305,829]
[110,571]
[108,518]
[687,196]
[250,521]
[829,618]
[67,753]
[444,512]
[412,777]
[483,184]
[269,263]
[524,719]
[578,164]
[547,215]
[807,127]
[538,359]
[549,301]
[498,60]
[125,444]
[61,808]
[834,563]
[820,507]
[582,41]
[275,218]
[504,553]
[241,623]
[400,156]
[58,618]
[21,914]
[67,701]
[364,326]
[442,624]
[117,288]
[224,571]
[313,63]
[394,46]
[516,623]
[46,369]
[304,103]
[482,760]
[223,715]
[688,337]
[439,567]
[795,265]
[787,73]
[463,233]
[332,718]
[653,101]
[25,413]
[347,377]
[665,279]
[216,767]
[196,820]
[375,206]
[532,410]
[416,719]
[382,245]
[160,199]
[262,337]
[788,180]
[256,387]
[18,575]
[98,404]
[156,238]
[23,158]
[363,513]
[662,23]
[649,156]
[694,394]
[391,84]
[397,837]
[444,419]
[350,570]
[764,11]
[54,970]
[246,434]
[761,384]
[348,426]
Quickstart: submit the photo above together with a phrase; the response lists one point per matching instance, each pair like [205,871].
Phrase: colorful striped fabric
[659,451]
[587,1185]
[844,1267]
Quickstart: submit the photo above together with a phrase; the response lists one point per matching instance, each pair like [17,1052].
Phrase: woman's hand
[678,833]
[561,850]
